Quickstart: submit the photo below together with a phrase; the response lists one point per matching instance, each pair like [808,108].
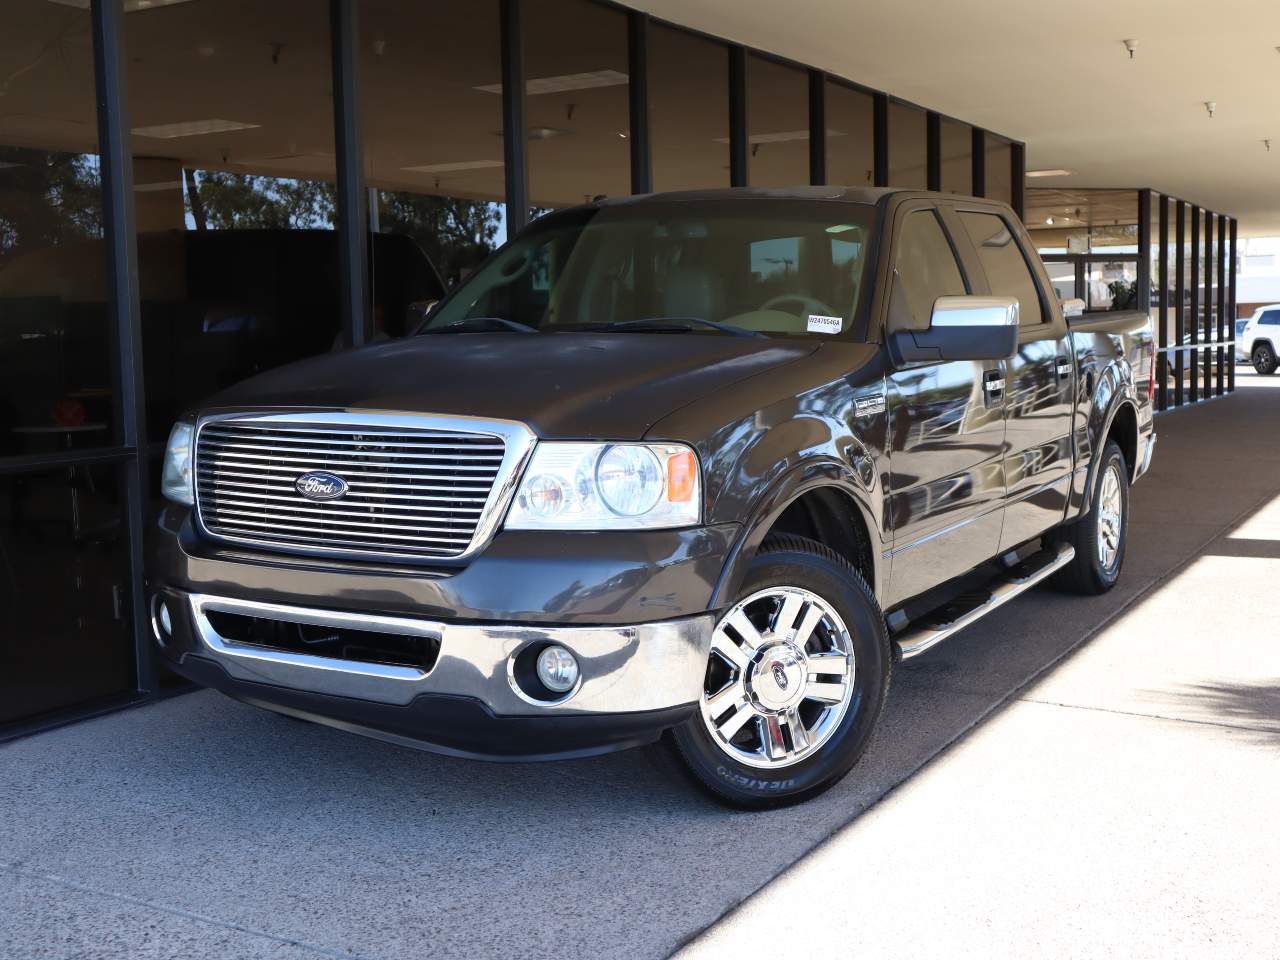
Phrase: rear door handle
[1064,368]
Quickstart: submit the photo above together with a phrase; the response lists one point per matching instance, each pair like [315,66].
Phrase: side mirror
[961,328]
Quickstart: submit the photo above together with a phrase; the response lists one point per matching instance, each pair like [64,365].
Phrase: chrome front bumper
[625,669]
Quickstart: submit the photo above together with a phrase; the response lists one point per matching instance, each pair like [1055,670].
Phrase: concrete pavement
[199,827]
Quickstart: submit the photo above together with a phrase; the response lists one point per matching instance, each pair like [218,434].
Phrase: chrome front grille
[420,487]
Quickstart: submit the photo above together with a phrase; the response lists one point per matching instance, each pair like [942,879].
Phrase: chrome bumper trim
[1146,455]
[625,669]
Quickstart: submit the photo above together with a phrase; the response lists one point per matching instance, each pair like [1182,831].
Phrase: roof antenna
[1132,47]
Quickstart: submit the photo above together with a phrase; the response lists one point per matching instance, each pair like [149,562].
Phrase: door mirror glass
[961,328]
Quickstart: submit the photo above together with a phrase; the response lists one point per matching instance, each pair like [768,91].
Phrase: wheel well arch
[1124,430]
[830,516]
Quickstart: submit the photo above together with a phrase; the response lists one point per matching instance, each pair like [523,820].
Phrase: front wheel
[795,682]
[1100,538]
[1264,359]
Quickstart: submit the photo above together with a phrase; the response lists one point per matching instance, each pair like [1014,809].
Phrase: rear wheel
[1264,359]
[796,679]
[1101,536]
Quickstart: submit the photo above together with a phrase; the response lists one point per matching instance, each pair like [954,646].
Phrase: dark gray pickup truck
[704,465]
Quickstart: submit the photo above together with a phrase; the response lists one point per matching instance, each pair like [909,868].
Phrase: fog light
[161,619]
[557,669]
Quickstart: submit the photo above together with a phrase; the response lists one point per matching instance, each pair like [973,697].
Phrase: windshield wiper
[467,324]
[668,324]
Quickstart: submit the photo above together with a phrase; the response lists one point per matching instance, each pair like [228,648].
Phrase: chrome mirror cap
[975,311]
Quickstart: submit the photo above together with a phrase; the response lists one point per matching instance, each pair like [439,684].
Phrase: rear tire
[796,680]
[1100,537]
[1264,359]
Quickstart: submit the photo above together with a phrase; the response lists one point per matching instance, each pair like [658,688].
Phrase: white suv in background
[1260,339]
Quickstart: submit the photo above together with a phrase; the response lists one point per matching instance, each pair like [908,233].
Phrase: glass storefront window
[777,124]
[688,110]
[431,118]
[957,157]
[577,109]
[850,136]
[63,587]
[998,168]
[908,136]
[55,381]
[233,167]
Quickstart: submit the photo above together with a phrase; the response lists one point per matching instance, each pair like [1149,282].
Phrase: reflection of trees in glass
[220,200]
[47,199]
[455,234]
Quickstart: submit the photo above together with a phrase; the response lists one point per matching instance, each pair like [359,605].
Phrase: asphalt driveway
[199,827]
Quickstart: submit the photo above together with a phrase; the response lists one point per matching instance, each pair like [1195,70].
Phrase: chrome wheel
[779,679]
[1110,517]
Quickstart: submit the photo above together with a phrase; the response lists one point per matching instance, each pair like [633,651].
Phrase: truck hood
[565,385]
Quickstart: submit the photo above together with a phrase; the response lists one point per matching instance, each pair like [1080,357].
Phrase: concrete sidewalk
[1125,805]
[199,827]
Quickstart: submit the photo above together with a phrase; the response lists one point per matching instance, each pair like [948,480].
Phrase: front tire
[796,680]
[1101,536]
[1264,359]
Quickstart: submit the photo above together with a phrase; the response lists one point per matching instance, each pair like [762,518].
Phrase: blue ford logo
[320,486]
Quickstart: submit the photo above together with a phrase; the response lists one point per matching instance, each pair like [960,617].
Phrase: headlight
[176,478]
[597,486]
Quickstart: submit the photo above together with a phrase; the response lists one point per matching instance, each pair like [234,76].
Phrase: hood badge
[869,405]
[318,485]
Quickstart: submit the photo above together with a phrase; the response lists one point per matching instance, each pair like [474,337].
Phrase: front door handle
[1064,368]
[993,386]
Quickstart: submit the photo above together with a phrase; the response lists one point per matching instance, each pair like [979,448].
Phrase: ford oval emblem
[318,485]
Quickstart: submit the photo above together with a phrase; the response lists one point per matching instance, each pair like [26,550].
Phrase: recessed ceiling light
[567,81]
[191,128]
[455,166]
[545,133]
[130,6]
[1048,173]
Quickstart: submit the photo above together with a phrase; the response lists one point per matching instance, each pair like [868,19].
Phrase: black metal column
[116,166]
[1018,175]
[880,139]
[638,100]
[739,147]
[1180,286]
[933,151]
[1209,259]
[514,137]
[1224,322]
[1233,309]
[1194,317]
[1144,251]
[817,128]
[1162,315]
[352,199]
[979,160]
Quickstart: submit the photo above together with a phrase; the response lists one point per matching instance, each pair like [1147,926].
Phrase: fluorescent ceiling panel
[565,82]
[191,128]
[130,6]
[783,136]
[454,167]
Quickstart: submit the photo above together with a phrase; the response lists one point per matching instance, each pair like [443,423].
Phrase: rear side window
[1271,318]
[1007,272]
[924,269]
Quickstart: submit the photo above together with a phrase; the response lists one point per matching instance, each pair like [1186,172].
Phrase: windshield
[751,267]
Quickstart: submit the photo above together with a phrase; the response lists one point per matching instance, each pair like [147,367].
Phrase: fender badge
[868,406]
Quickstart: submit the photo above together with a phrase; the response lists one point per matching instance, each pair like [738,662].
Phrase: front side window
[777,268]
[1007,272]
[924,269]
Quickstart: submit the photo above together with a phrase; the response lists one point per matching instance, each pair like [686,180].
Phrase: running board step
[970,608]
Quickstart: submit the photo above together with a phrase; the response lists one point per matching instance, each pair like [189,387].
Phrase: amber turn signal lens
[682,473]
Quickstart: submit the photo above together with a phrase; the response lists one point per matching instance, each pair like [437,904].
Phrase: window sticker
[821,324]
